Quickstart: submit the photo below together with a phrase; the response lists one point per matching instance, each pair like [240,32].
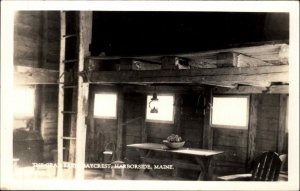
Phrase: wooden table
[202,157]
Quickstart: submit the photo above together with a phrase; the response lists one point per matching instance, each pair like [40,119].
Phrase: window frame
[231,126]
[32,116]
[160,121]
[105,117]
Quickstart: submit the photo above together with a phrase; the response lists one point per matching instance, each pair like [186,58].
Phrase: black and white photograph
[186,96]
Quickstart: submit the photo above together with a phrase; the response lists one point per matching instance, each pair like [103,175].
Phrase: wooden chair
[110,158]
[266,167]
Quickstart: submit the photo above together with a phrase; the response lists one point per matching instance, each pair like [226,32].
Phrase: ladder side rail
[61,96]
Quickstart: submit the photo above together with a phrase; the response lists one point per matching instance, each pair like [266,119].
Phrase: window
[230,111]
[105,105]
[165,109]
[24,102]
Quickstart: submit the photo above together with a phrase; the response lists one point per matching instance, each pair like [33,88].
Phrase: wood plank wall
[134,113]
[48,126]
[36,44]
[268,124]
[28,38]
[100,131]
[134,121]
[235,142]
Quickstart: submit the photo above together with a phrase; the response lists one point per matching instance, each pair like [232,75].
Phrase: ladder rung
[69,112]
[69,138]
[70,61]
[70,86]
[69,35]
[67,84]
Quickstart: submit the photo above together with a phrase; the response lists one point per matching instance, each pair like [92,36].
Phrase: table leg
[143,154]
[175,170]
[206,170]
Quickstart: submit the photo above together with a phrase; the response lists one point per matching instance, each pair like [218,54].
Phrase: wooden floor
[28,173]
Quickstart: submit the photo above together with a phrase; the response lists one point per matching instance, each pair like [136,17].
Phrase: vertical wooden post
[143,122]
[254,101]
[177,104]
[91,128]
[120,109]
[85,35]
[282,123]
[60,120]
[39,91]
[143,130]
[38,106]
[207,130]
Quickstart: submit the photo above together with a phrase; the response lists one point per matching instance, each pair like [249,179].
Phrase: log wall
[36,44]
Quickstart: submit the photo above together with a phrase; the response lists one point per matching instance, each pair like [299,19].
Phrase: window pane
[24,102]
[105,105]
[230,111]
[165,108]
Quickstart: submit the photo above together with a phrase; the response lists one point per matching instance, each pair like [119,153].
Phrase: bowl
[173,145]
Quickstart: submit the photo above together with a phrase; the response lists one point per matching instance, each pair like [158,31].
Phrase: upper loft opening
[155,33]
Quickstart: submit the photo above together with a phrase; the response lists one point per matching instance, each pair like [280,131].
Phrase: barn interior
[90,84]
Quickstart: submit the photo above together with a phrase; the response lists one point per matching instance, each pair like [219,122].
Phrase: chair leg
[122,172]
[113,173]
[104,172]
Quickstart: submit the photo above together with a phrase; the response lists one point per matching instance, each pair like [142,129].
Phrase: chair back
[266,167]
[283,159]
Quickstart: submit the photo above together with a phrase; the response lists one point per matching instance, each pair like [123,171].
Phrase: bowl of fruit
[174,141]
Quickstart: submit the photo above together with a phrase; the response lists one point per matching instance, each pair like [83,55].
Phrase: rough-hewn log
[273,89]
[162,89]
[222,84]
[234,59]
[227,59]
[258,84]
[279,89]
[85,35]
[202,76]
[247,61]
[272,52]
[275,53]
[28,75]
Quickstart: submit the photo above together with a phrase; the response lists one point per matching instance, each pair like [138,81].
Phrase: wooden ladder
[75,35]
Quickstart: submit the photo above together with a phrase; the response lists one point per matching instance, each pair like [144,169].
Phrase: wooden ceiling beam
[271,52]
[199,76]
[278,89]
[162,89]
[274,89]
[247,61]
[29,76]
[258,84]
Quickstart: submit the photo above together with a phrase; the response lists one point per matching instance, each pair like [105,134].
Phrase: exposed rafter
[259,55]
[203,76]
